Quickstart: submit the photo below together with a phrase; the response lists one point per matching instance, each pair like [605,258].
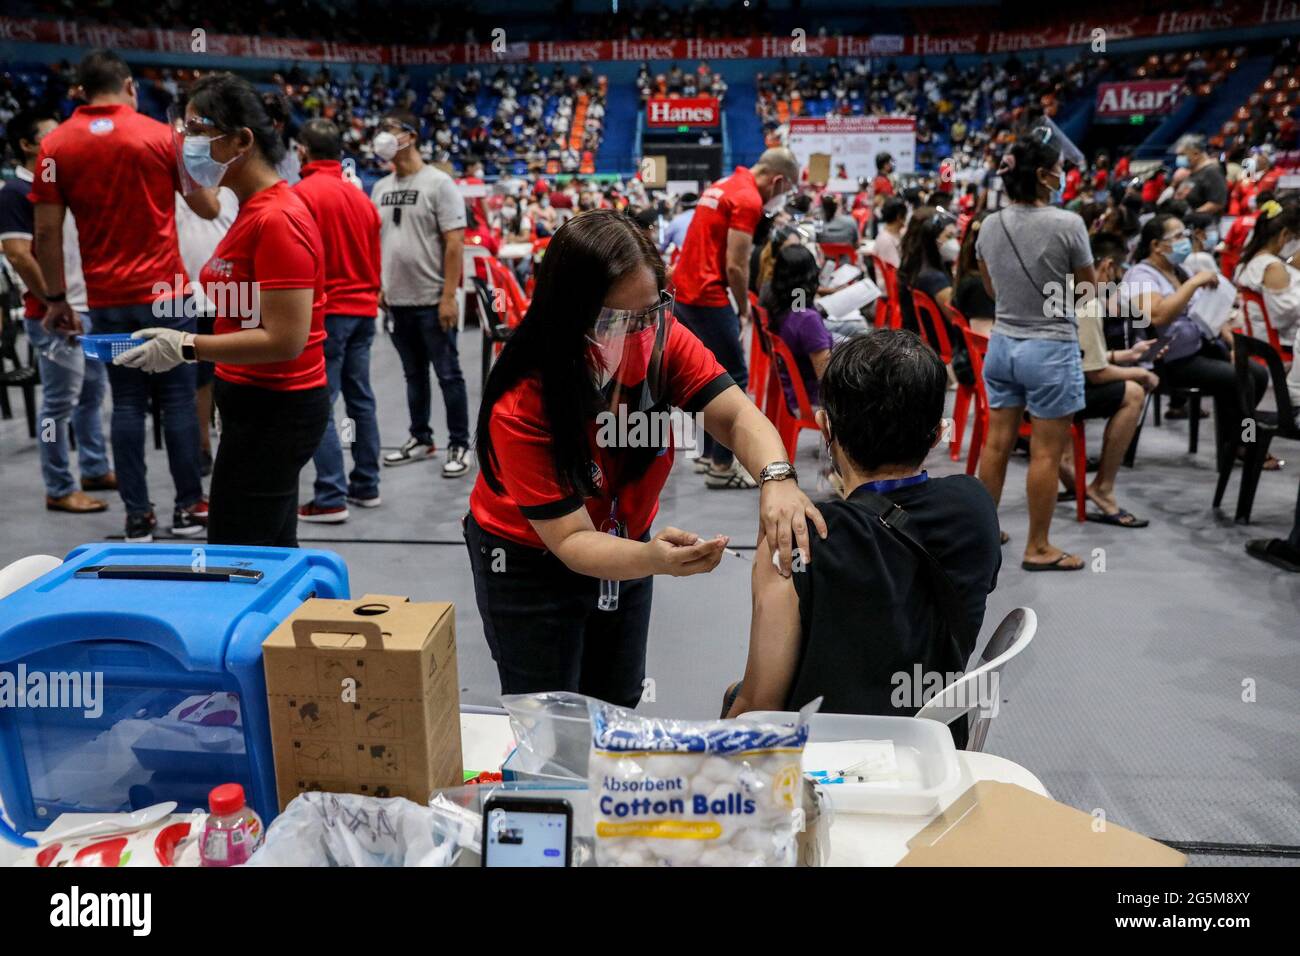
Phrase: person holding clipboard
[559,524]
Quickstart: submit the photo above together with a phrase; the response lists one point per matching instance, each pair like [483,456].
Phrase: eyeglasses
[200,126]
[613,322]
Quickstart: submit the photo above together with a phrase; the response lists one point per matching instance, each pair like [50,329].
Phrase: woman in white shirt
[1270,269]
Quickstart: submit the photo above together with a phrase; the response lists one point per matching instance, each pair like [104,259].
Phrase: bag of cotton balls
[694,793]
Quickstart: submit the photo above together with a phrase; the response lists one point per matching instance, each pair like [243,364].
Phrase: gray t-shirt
[1053,244]
[414,212]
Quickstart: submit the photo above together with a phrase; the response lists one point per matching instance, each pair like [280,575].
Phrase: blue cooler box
[132,674]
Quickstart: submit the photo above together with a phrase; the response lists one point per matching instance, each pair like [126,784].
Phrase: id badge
[608,600]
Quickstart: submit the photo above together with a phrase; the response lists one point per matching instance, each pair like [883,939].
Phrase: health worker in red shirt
[115,171]
[266,280]
[574,448]
[349,227]
[711,278]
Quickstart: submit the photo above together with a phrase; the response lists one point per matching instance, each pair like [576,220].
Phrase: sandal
[1121,519]
[1052,565]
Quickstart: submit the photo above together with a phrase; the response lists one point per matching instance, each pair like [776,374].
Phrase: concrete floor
[1129,701]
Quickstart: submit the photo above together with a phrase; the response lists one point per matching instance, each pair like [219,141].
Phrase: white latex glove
[161,351]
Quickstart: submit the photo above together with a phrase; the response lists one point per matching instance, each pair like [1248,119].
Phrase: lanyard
[887,485]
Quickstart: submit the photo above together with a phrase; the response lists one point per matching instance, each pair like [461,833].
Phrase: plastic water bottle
[233,830]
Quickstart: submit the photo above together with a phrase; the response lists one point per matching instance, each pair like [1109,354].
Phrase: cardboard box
[1000,824]
[364,698]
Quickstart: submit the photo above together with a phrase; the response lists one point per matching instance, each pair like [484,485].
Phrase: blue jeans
[421,340]
[347,365]
[131,388]
[718,327]
[73,394]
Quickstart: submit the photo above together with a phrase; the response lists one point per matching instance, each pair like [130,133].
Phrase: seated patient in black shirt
[851,624]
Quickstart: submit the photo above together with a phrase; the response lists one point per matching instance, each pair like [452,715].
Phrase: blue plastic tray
[107,347]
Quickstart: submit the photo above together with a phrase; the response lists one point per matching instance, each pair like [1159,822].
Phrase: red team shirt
[115,169]
[521,438]
[700,276]
[274,242]
[349,228]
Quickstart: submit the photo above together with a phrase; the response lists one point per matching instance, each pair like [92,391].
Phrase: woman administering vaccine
[559,524]
[266,282]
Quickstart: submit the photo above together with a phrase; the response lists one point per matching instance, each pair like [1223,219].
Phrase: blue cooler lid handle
[304,628]
[168,572]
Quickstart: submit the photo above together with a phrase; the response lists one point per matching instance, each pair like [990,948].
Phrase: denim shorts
[1043,375]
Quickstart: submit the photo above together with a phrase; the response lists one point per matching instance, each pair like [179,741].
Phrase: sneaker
[702,465]
[319,515]
[413,450]
[77,503]
[733,477]
[457,462]
[105,482]
[191,521]
[139,527]
[374,502]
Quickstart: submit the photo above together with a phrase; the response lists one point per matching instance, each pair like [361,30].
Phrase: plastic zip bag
[346,829]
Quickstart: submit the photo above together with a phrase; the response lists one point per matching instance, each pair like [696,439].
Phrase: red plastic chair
[788,423]
[934,327]
[889,314]
[1249,298]
[977,344]
[838,251]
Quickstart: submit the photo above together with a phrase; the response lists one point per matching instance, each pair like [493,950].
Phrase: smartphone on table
[527,831]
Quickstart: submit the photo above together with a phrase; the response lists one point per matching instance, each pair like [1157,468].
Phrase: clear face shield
[625,351]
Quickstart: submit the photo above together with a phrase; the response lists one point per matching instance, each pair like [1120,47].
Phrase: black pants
[718,327]
[266,438]
[544,629]
[1210,371]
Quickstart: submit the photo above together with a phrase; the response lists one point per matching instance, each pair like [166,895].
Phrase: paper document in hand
[843,276]
[1212,307]
[848,301]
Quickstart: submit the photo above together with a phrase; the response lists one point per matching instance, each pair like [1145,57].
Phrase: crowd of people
[276,273]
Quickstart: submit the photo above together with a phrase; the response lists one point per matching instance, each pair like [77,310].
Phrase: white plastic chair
[962,697]
[24,571]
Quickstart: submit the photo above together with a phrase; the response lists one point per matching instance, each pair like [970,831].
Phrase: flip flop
[1266,549]
[1064,496]
[1051,565]
[1118,519]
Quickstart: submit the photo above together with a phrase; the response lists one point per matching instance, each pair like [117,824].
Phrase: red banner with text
[1082,33]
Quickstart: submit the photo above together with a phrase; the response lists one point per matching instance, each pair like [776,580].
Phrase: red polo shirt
[349,229]
[115,170]
[272,244]
[521,438]
[700,276]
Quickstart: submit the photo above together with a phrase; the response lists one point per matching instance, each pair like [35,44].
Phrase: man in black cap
[675,231]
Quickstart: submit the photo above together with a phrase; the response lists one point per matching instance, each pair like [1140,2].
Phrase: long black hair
[921,244]
[232,104]
[584,259]
[1272,217]
[794,271]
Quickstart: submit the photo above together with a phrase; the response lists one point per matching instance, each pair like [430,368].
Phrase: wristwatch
[778,471]
[187,348]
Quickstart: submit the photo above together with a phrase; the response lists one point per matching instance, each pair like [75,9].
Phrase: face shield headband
[626,349]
